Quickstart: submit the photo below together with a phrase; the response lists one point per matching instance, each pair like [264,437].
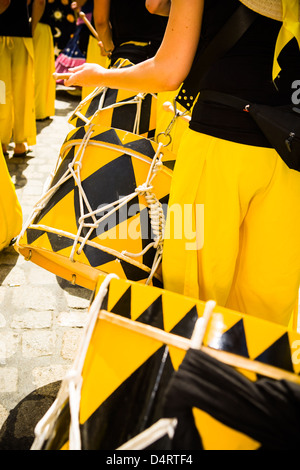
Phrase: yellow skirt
[233,227]
[44,67]
[17,115]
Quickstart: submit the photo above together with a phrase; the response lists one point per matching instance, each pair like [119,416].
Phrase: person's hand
[104,52]
[85,75]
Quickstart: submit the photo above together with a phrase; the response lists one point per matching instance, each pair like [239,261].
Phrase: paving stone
[14,277]
[45,375]
[29,297]
[9,342]
[71,341]
[3,414]
[32,320]
[8,379]
[38,343]
[72,319]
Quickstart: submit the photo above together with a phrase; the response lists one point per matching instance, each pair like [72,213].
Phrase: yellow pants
[10,208]
[17,115]
[237,207]
[44,67]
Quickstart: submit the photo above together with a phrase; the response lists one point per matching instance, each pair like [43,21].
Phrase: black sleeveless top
[131,21]
[244,71]
[15,20]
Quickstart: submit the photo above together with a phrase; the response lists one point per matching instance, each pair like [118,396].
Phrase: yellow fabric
[289,30]
[10,209]
[17,115]
[94,56]
[245,203]
[44,67]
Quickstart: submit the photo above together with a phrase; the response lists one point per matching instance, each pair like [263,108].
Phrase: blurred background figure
[127,29]
[44,67]
[95,53]
[17,115]
[63,23]
[10,208]
[75,51]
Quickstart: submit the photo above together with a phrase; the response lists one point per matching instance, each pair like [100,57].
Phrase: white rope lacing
[72,383]
[156,214]
[136,100]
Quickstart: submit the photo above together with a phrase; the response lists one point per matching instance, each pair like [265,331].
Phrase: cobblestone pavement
[41,315]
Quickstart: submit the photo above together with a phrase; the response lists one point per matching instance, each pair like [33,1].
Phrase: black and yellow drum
[104,209]
[120,109]
[136,338]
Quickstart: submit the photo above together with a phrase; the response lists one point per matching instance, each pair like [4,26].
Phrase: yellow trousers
[44,67]
[233,227]
[17,115]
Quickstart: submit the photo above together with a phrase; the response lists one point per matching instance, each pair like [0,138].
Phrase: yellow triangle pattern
[175,307]
[113,355]
[217,436]
[260,339]
[142,298]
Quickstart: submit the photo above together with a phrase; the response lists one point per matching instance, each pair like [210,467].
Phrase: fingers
[77,69]
[61,76]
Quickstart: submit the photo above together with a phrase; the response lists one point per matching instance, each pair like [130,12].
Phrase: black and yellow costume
[242,247]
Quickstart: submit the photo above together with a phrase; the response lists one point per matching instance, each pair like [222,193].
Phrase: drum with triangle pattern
[136,339]
[96,213]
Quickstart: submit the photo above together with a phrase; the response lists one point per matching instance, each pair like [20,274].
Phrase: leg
[6,106]
[268,271]
[23,93]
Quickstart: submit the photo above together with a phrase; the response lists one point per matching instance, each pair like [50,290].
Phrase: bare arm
[4,4]
[38,7]
[167,69]
[159,7]
[102,24]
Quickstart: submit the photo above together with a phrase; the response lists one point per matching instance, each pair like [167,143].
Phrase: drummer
[127,30]
[17,115]
[246,254]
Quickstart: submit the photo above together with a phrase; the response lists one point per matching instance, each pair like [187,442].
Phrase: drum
[104,209]
[136,338]
[120,109]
